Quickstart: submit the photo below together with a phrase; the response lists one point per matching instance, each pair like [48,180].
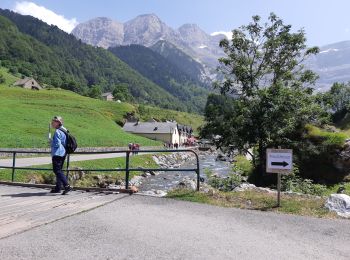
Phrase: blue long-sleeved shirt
[58,143]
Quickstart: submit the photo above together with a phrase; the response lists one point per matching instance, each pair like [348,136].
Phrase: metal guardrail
[127,168]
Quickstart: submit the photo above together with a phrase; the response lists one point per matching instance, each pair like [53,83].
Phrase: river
[166,181]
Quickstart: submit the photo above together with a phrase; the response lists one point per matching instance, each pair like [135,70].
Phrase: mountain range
[147,30]
[32,48]
[332,63]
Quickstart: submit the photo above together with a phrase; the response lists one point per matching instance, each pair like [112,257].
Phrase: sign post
[279,161]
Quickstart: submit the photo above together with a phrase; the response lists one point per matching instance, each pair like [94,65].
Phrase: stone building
[166,132]
[108,96]
[28,83]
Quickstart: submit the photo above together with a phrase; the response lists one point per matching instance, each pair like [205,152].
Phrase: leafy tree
[13,70]
[340,93]
[121,92]
[2,78]
[268,92]
[336,101]
[95,92]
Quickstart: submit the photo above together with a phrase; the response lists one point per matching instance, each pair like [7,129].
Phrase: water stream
[168,180]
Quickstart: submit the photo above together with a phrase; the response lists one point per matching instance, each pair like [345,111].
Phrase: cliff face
[102,32]
[147,30]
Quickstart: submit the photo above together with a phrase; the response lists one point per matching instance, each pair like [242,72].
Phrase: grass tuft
[254,200]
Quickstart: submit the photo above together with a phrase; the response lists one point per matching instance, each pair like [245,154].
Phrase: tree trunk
[261,160]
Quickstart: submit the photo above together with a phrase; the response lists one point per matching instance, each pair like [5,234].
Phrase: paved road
[139,227]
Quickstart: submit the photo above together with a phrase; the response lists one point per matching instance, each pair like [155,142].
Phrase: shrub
[242,166]
[49,178]
[208,172]
[226,184]
[2,79]
[324,137]
[295,183]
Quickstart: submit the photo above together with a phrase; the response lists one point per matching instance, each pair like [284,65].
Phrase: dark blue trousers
[57,165]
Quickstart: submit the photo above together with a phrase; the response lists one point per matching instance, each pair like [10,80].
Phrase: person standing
[58,153]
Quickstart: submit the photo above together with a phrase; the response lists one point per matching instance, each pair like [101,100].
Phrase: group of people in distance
[134,148]
[171,145]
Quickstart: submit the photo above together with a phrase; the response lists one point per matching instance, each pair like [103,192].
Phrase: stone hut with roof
[28,83]
[108,96]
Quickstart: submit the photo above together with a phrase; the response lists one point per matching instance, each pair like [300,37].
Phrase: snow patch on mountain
[329,50]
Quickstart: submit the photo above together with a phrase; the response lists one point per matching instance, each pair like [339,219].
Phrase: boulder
[160,193]
[76,173]
[136,181]
[221,157]
[265,190]
[339,203]
[146,174]
[187,183]
[244,187]
[155,193]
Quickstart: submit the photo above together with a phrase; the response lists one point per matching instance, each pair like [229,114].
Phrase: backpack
[71,142]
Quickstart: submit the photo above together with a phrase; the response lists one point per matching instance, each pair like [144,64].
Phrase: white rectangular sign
[279,160]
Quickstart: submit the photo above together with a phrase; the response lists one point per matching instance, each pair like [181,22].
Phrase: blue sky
[324,21]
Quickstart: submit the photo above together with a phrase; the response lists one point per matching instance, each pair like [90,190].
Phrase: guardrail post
[13,166]
[68,160]
[127,159]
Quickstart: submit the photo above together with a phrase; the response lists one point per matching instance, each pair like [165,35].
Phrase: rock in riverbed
[187,183]
[340,203]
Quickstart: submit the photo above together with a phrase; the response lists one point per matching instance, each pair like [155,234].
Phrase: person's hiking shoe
[67,189]
[54,190]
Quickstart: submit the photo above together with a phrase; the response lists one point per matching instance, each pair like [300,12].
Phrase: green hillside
[30,47]
[164,73]
[25,115]
[183,61]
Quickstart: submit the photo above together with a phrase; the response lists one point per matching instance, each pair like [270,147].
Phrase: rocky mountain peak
[101,31]
[148,17]
[190,27]
[194,35]
[146,30]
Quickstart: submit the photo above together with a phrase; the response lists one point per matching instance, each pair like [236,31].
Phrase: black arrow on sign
[284,164]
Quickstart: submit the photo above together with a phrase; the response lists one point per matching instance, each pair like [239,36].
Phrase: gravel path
[26,162]
[140,227]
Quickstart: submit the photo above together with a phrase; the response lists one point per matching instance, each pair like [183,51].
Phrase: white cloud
[46,15]
[227,34]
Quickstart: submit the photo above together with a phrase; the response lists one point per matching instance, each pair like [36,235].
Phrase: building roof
[150,127]
[107,94]
[24,81]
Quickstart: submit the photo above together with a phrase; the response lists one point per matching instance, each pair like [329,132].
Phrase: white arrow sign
[279,160]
